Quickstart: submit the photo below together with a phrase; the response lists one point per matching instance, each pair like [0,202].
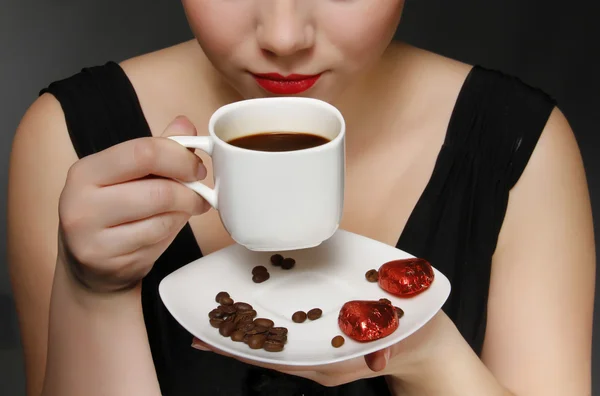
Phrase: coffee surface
[278,141]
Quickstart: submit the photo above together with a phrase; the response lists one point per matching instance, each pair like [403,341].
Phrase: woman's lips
[285,85]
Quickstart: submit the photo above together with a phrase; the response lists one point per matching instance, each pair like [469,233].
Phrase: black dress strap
[493,130]
[499,115]
[101,108]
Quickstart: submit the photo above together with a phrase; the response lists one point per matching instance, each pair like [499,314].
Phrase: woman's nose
[284,27]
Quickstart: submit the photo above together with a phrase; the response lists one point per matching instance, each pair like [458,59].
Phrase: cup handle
[204,143]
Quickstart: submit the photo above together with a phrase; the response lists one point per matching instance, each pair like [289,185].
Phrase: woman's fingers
[121,207]
[130,237]
[199,345]
[306,372]
[141,157]
[377,361]
[141,199]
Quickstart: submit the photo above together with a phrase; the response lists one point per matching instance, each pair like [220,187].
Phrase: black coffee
[279,141]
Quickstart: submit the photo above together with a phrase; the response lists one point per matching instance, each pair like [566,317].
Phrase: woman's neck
[386,92]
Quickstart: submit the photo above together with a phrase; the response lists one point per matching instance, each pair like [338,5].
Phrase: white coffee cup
[275,201]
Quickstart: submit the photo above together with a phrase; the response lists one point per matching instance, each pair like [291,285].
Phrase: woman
[469,168]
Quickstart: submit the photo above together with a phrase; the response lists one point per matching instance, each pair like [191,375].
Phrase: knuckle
[144,152]
[88,254]
[132,269]
[165,225]
[74,172]
[71,219]
[160,230]
[73,208]
[121,263]
[162,195]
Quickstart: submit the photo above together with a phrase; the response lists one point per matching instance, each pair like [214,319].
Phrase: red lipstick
[285,85]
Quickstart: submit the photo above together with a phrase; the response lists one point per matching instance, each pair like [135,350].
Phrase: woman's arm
[40,159]
[440,362]
[539,336]
[540,311]
[75,342]
[97,343]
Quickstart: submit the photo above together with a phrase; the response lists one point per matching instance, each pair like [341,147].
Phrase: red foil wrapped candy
[406,278]
[368,320]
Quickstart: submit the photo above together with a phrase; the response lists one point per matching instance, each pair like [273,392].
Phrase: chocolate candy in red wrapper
[406,278]
[367,320]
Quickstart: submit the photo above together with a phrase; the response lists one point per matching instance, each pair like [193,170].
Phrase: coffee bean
[278,338]
[238,336]
[259,268]
[400,312]
[257,341]
[226,301]
[337,341]
[278,331]
[241,320]
[261,277]
[385,300]
[216,314]
[227,309]
[268,323]
[273,346]
[299,316]
[216,322]
[238,317]
[244,317]
[237,321]
[276,259]
[258,330]
[288,263]
[226,329]
[314,314]
[248,314]
[220,295]
[246,327]
[242,306]
[372,275]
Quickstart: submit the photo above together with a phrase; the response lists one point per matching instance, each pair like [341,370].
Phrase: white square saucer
[324,277]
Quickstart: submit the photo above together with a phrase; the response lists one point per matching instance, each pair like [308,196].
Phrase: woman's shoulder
[43,131]
[167,82]
[456,90]
[504,107]
[443,77]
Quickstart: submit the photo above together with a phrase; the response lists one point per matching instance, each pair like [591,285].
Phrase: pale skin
[397,102]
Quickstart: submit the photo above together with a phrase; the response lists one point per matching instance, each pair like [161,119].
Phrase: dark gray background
[549,44]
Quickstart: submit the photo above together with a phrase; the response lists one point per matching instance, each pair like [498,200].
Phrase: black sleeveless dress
[494,128]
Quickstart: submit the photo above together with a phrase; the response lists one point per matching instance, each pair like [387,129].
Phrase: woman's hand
[405,360]
[372,365]
[120,208]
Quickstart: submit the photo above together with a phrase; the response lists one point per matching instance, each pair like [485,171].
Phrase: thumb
[180,126]
[377,361]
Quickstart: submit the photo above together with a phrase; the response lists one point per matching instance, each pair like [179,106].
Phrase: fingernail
[180,125]
[181,118]
[199,346]
[201,174]
[177,120]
